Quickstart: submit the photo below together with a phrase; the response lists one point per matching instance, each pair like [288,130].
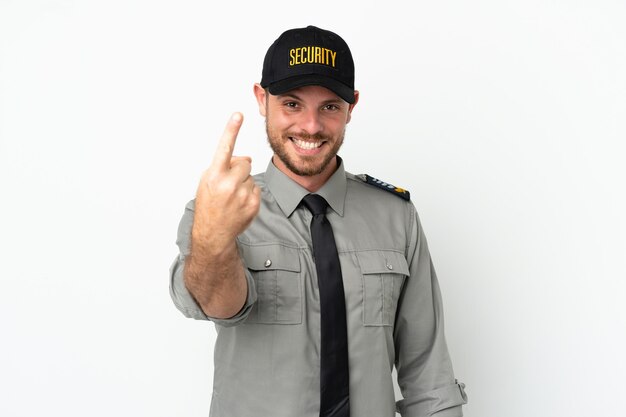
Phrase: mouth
[306,145]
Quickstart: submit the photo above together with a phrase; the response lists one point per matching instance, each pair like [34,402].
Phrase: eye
[290,104]
[331,107]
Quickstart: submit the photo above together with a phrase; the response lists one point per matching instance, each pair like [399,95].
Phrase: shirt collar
[289,193]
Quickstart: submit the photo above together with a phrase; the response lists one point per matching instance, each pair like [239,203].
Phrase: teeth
[306,145]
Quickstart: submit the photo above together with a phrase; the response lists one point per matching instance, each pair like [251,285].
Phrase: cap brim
[288,84]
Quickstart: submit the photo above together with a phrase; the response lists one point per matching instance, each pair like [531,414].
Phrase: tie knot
[315,203]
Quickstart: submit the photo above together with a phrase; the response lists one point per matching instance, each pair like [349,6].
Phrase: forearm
[215,277]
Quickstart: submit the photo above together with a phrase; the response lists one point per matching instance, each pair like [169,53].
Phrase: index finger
[224,152]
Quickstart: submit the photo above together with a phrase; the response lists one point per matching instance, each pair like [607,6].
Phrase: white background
[505,119]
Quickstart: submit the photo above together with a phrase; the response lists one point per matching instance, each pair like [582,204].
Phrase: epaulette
[400,192]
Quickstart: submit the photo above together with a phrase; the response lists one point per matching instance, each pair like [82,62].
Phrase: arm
[182,298]
[425,374]
[214,276]
[227,200]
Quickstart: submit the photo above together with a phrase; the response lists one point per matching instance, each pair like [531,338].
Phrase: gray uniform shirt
[267,356]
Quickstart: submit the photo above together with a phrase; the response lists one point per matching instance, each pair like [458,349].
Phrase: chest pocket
[276,272]
[383,274]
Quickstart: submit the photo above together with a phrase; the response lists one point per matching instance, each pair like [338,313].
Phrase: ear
[351,106]
[261,99]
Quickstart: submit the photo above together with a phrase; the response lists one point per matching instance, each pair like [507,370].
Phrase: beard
[303,165]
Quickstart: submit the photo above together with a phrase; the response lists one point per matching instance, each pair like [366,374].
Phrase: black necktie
[334,375]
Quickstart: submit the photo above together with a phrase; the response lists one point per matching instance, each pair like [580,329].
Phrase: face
[305,128]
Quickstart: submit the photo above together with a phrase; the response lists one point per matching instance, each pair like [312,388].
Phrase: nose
[311,122]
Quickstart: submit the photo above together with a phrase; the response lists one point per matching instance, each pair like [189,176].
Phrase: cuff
[442,402]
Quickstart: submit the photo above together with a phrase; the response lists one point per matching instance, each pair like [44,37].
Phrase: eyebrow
[289,95]
[296,97]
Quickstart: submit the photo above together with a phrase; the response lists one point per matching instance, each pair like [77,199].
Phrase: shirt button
[389,267]
[268,263]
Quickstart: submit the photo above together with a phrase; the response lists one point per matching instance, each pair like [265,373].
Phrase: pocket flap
[270,257]
[382,262]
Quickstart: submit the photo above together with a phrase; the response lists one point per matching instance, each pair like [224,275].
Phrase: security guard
[319,281]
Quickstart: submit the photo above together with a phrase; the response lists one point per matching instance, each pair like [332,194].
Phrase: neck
[311,183]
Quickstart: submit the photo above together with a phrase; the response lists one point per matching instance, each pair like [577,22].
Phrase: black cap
[309,56]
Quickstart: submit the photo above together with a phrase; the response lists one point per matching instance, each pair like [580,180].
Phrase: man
[318,281]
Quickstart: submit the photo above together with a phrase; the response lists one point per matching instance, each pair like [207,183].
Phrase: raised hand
[227,199]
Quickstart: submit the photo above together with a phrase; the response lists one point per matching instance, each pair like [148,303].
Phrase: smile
[306,145]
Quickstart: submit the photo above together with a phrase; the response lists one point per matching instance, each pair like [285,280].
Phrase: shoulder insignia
[400,192]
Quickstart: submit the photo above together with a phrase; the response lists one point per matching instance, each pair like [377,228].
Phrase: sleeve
[182,298]
[425,374]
